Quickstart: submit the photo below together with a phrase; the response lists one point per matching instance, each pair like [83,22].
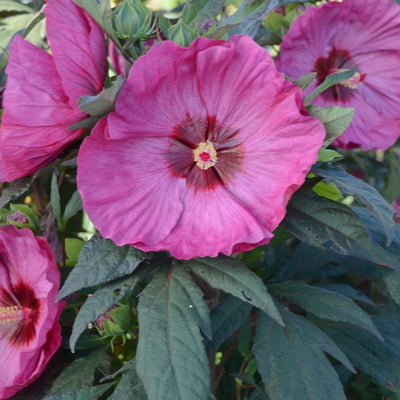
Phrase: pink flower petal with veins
[40,98]
[203,152]
[345,35]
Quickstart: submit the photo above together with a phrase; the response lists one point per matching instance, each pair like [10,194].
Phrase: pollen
[9,314]
[354,82]
[205,155]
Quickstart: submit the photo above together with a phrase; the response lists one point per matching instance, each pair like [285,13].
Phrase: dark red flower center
[338,61]
[19,312]
[204,153]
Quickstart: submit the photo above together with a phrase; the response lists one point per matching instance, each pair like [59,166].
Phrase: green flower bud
[182,34]
[132,19]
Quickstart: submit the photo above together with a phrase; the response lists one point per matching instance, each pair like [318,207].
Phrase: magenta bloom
[29,328]
[203,152]
[40,99]
[342,36]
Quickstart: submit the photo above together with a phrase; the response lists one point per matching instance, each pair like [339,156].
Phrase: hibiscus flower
[42,90]
[337,37]
[203,152]
[29,328]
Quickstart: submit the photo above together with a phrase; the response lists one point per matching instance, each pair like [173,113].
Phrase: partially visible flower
[42,90]
[396,207]
[203,152]
[340,36]
[29,328]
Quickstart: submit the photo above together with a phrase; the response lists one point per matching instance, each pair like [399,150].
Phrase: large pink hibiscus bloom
[205,148]
[40,99]
[343,36]
[29,328]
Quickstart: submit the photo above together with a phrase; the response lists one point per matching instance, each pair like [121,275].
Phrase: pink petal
[136,196]
[36,111]
[212,222]
[232,86]
[161,88]
[78,49]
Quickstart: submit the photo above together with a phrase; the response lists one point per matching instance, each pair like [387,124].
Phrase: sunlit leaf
[365,195]
[171,358]
[335,119]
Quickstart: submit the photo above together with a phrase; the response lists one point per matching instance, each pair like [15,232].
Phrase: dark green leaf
[79,374]
[198,11]
[129,387]
[102,300]
[171,359]
[392,189]
[102,103]
[228,316]
[362,192]
[55,200]
[380,360]
[392,282]
[233,277]
[92,393]
[325,304]
[335,119]
[330,80]
[101,261]
[327,224]
[73,206]
[292,362]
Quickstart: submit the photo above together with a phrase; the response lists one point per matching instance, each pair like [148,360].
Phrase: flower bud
[132,19]
[182,34]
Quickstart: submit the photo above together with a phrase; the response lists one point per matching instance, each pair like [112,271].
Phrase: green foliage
[228,316]
[76,380]
[101,261]
[171,358]
[196,12]
[335,119]
[325,304]
[129,387]
[298,351]
[363,193]
[101,301]
[330,81]
[330,225]
[232,276]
